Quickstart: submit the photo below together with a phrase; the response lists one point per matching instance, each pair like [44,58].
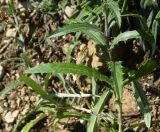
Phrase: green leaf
[29,125]
[10,87]
[92,127]
[149,19]
[146,3]
[117,75]
[124,37]
[69,68]
[154,32]
[94,90]
[69,51]
[114,10]
[92,31]
[36,87]
[145,69]
[139,17]
[142,102]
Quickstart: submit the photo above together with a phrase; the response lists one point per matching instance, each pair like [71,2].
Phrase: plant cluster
[109,23]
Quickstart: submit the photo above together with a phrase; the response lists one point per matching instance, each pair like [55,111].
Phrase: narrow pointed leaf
[35,86]
[117,75]
[69,68]
[150,18]
[146,3]
[124,37]
[92,31]
[29,125]
[145,69]
[154,32]
[115,10]
[142,102]
[92,127]
[10,87]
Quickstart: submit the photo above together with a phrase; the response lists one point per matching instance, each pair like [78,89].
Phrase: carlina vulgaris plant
[116,80]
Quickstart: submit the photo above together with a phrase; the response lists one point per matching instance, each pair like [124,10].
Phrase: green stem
[124,6]
[119,108]
[107,29]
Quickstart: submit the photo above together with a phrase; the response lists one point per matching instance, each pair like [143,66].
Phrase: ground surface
[15,104]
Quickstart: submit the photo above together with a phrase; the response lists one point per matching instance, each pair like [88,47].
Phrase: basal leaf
[142,102]
[154,32]
[36,87]
[145,69]
[142,20]
[117,75]
[92,127]
[29,125]
[146,3]
[92,31]
[124,37]
[149,19]
[10,87]
[69,68]
[115,11]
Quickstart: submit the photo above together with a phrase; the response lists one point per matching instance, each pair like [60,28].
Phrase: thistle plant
[107,32]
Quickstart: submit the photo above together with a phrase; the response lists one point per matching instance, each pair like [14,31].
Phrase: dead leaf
[82,55]
[11,32]
[96,62]
[65,48]
[91,47]
[68,11]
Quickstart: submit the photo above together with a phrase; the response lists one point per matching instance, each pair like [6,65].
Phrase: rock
[65,48]
[13,104]
[13,95]
[11,32]
[15,113]
[1,109]
[6,41]
[5,104]
[26,98]
[23,91]
[2,98]
[68,11]
[25,109]
[33,98]
[1,29]
[9,118]
[8,127]
[1,72]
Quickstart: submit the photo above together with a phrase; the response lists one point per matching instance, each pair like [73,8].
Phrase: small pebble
[5,104]
[1,109]
[1,29]
[9,118]
[26,98]
[25,109]
[2,98]
[1,72]
[13,95]
[13,104]
[33,98]
[11,32]
[15,113]
[8,127]
[23,91]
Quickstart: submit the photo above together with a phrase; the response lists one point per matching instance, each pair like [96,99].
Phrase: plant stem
[124,6]
[107,30]
[119,108]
